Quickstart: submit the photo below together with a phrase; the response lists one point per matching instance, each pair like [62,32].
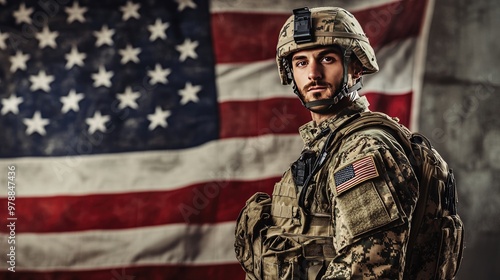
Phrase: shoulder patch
[354,174]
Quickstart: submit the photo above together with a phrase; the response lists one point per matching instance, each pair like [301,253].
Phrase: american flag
[354,174]
[138,129]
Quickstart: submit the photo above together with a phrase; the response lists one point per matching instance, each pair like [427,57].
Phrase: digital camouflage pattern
[359,233]
[372,219]
[332,26]
[435,246]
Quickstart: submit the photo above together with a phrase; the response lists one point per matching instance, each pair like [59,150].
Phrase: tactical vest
[299,243]
[292,241]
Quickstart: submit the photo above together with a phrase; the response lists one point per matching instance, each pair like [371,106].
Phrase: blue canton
[92,77]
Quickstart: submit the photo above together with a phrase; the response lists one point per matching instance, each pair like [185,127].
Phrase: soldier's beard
[328,93]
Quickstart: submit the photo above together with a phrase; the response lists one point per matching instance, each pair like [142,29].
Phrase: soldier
[343,209]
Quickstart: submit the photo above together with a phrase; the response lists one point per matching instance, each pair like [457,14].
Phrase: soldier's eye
[300,63]
[328,59]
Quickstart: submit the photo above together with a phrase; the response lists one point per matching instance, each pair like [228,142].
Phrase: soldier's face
[317,72]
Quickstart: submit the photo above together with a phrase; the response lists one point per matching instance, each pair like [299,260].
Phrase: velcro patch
[355,173]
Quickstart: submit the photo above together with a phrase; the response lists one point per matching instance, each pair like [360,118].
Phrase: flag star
[184,4]
[23,14]
[47,38]
[11,104]
[159,118]
[104,36]
[70,101]
[129,54]
[18,61]
[189,93]
[128,99]
[36,124]
[158,30]
[74,58]
[3,37]
[187,49]
[130,10]
[75,13]
[41,81]
[102,78]
[159,75]
[97,122]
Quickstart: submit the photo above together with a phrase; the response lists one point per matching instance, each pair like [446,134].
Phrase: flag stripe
[399,106]
[184,244]
[251,118]
[260,31]
[284,6]
[158,272]
[246,159]
[210,202]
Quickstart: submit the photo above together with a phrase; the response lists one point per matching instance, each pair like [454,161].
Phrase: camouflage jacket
[357,208]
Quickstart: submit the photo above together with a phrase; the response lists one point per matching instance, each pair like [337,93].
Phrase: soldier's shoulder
[370,136]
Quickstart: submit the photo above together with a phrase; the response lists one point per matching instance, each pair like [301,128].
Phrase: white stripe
[260,80]
[98,249]
[242,159]
[286,6]
[250,81]
[396,63]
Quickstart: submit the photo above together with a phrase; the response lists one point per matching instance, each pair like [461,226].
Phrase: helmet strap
[345,92]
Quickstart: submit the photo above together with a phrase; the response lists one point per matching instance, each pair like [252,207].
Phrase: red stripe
[226,271]
[211,202]
[399,106]
[392,22]
[245,37]
[248,37]
[286,115]
[258,117]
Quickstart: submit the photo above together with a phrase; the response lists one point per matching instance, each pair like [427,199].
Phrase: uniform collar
[310,131]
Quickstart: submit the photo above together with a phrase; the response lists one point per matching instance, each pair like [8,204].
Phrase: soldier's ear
[356,69]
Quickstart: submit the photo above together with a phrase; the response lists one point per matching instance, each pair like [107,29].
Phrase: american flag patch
[354,174]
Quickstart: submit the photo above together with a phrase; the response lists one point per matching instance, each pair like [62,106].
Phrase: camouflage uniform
[367,222]
[353,218]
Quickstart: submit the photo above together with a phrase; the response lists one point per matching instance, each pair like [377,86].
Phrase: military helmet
[325,26]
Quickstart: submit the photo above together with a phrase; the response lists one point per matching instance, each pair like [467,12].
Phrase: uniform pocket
[288,259]
[281,259]
[362,210]
[451,247]
[437,253]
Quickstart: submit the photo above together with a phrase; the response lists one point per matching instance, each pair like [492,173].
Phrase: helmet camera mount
[302,31]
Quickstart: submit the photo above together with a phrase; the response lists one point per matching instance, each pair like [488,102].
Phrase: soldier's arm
[378,256]
[374,193]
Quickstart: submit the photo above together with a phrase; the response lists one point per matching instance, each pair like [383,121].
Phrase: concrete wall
[460,112]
